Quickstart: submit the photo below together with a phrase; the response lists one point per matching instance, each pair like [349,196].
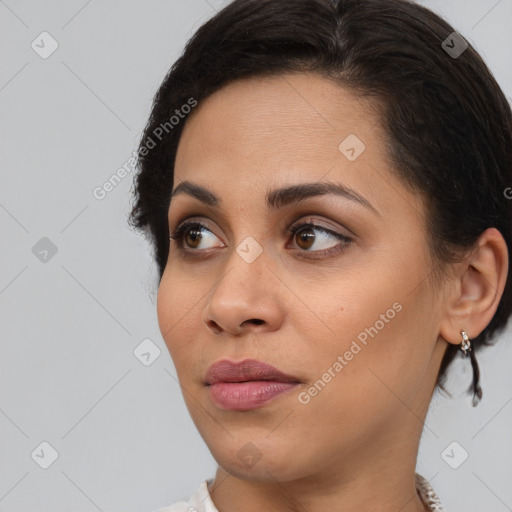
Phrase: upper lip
[246,370]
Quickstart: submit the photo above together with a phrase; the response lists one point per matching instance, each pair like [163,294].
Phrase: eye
[305,237]
[190,234]
[193,237]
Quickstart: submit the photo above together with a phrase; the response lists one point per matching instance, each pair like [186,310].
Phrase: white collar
[201,501]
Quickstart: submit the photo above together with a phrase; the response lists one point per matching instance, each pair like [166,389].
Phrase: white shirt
[201,501]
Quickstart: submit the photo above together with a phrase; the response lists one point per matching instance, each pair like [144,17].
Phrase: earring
[467,349]
[465,345]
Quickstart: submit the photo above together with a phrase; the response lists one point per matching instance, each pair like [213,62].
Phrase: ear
[476,290]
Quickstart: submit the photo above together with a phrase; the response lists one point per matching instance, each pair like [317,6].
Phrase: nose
[245,298]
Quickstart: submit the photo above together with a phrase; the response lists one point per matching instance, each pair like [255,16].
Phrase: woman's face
[344,307]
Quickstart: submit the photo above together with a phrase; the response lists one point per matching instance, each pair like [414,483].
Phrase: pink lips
[246,384]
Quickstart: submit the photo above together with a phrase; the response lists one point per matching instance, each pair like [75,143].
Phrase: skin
[354,445]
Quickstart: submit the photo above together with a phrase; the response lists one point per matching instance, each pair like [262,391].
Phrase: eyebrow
[280,197]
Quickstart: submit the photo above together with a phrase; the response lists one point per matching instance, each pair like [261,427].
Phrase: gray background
[71,321]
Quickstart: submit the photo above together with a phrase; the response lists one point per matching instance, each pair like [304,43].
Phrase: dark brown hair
[448,122]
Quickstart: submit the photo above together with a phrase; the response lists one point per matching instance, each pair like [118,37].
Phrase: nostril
[213,326]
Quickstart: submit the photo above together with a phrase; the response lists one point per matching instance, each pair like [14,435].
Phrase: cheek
[178,309]
[165,309]
[362,386]
[380,346]
[181,298]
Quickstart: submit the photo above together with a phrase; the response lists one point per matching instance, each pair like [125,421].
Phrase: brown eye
[305,238]
[311,235]
[191,235]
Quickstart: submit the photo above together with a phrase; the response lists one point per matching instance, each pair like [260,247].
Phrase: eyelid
[294,228]
[304,216]
[191,219]
[206,217]
[324,224]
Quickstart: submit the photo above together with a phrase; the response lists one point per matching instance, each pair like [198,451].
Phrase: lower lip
[240,396]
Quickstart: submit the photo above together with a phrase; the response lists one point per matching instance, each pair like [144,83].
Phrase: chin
[252,458]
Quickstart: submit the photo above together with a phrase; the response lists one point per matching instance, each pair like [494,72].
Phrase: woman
[324,185]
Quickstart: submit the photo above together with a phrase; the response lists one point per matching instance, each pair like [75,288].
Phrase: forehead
[260,133]
[296,113]
[282,122]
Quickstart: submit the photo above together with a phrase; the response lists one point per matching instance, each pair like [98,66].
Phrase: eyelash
[179,233]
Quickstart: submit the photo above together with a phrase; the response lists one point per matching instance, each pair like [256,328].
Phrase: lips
[245,371]
[247,384]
